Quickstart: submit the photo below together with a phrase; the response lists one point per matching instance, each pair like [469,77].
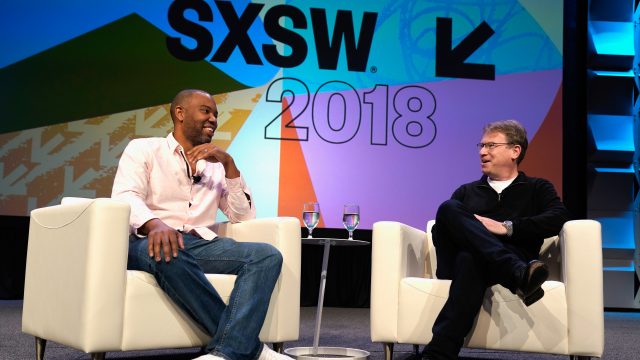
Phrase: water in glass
[351,221]
[351,218]
[311,216]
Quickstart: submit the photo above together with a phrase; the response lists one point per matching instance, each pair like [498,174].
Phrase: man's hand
[212,153]
[163,239]
[494,227]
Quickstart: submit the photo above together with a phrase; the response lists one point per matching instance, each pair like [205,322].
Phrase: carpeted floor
[340,327]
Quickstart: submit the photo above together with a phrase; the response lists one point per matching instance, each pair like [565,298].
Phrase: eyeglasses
[491,145]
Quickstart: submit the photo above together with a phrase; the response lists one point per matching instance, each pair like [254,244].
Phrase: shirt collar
[172,143]
[521,176]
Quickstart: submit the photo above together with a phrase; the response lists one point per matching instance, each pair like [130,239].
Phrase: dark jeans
[234,328]
[473,259]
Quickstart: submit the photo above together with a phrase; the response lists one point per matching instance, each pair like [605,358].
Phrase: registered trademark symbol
[373,69]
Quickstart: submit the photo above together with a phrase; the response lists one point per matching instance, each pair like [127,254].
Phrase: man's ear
[517,149]
[179,113]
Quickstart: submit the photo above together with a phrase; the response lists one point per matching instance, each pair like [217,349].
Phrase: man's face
[200,118]
[499,162]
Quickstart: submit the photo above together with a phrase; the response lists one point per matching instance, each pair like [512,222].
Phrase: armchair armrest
[76,273]
[581,248]
[398,251]
[284,234]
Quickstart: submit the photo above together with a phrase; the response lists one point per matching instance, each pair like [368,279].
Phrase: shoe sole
[534,297]
[539,276]
[533,291]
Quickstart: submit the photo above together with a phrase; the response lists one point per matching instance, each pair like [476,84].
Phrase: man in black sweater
[490,232]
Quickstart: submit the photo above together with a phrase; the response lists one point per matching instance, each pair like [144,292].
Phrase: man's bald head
[182,99]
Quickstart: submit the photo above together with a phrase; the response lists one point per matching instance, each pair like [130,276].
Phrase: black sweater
[532,204]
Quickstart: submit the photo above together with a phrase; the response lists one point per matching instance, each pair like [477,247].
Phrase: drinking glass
[310,216]
[351,218]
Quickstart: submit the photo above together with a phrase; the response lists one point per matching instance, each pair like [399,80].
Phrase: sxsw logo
[327,47]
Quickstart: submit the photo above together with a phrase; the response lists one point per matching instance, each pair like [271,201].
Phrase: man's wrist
[508,225]
[230,169]
[149,225]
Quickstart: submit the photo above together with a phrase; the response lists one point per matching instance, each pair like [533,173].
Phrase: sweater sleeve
[551,214]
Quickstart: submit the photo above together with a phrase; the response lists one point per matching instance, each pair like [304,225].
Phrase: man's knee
[270,254]
[449,208]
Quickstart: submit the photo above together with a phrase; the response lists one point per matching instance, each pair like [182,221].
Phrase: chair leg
[278,347]
[41,344]
[97,356]
[388,351]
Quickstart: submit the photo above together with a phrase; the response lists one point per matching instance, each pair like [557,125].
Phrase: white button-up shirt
[153,177]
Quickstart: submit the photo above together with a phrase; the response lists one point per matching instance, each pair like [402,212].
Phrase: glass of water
[351,218]
[310,216]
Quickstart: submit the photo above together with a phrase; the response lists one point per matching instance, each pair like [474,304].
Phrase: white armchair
[78,291]
[406,296]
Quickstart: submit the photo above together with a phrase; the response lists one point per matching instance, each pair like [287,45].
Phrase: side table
[324,352]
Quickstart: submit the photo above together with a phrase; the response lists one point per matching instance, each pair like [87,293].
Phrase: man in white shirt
[175,186]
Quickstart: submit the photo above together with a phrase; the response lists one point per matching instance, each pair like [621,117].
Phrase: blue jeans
[234,328]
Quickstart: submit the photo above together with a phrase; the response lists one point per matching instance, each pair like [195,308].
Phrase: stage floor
[344,327]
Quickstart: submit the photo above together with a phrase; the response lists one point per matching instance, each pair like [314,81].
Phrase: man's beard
[198,138]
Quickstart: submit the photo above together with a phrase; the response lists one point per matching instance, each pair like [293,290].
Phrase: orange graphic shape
[544,155]
[295,183]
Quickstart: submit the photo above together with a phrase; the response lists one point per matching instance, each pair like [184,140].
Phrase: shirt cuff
[137,224]
[236,184]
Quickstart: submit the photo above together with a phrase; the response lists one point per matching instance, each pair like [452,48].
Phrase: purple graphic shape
[399,183]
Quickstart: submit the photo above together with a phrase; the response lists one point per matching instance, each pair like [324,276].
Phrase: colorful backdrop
[374,103]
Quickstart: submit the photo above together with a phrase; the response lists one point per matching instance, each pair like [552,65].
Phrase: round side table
[325,352]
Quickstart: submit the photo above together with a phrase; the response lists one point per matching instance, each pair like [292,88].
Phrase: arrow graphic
[110,157]
[40,153]
[75,187]
[145,125]
[8,182]
[450,62]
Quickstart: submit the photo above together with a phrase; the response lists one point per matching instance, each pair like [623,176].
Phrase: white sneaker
[268,354]
[208,357]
